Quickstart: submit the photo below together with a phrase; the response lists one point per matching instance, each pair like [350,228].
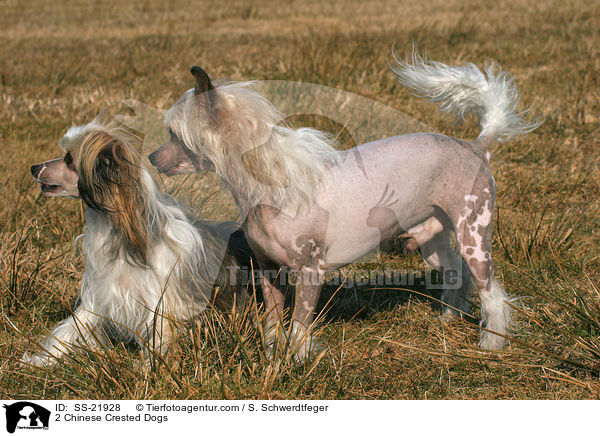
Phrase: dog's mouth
[48,188]
[181,167]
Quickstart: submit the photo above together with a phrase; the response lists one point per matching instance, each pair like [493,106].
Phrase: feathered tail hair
[493,96]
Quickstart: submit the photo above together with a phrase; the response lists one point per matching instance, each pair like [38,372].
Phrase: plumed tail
[493,96]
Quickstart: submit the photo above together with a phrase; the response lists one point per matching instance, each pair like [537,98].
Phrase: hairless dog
[311,208]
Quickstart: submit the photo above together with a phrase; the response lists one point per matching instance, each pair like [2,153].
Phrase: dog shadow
[361,301]
[346,297]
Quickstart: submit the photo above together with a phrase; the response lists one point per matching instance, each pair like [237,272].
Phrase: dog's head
[58,177]
[200,105]
[209,125]
[101,165]
[235,131]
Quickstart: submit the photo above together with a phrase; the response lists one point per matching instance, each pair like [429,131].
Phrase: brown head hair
[110,183]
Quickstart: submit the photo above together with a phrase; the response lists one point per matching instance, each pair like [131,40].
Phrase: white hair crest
[280,164]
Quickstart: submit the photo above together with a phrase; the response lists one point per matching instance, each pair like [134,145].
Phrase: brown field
[62,62]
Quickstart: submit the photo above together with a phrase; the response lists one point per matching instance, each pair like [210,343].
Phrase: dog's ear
[203,83]
[203,86]
[110,182]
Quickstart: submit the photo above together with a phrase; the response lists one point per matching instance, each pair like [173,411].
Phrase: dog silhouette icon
[26,413]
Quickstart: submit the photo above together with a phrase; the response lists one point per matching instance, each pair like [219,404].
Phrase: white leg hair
[302,343]
[495,315]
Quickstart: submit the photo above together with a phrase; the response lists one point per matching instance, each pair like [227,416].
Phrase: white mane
[244,135]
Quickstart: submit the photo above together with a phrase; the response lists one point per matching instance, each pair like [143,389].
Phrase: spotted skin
[474,230]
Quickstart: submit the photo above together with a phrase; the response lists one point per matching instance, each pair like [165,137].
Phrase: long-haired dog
[311,208]
[150,264]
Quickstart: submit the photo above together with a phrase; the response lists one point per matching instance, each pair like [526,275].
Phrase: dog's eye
[68,159]
[173,136]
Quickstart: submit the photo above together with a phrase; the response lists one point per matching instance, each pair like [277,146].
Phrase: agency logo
[26,415]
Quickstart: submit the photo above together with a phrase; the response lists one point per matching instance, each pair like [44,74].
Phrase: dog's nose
[153,158]
[35,170]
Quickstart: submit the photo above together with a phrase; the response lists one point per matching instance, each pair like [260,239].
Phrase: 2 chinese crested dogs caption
[306,207]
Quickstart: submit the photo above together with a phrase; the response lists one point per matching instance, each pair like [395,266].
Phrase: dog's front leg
[80,329]
[160,333]
[308,289]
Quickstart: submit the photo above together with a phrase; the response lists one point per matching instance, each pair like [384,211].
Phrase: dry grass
[63,62]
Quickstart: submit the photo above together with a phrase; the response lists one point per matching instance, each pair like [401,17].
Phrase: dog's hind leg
[434,243]
[474,236]
[457,286]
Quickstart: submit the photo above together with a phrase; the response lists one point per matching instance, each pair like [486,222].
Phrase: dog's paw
[302,345]
[492,342]
[40,360]
[456,304]
[274,340]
